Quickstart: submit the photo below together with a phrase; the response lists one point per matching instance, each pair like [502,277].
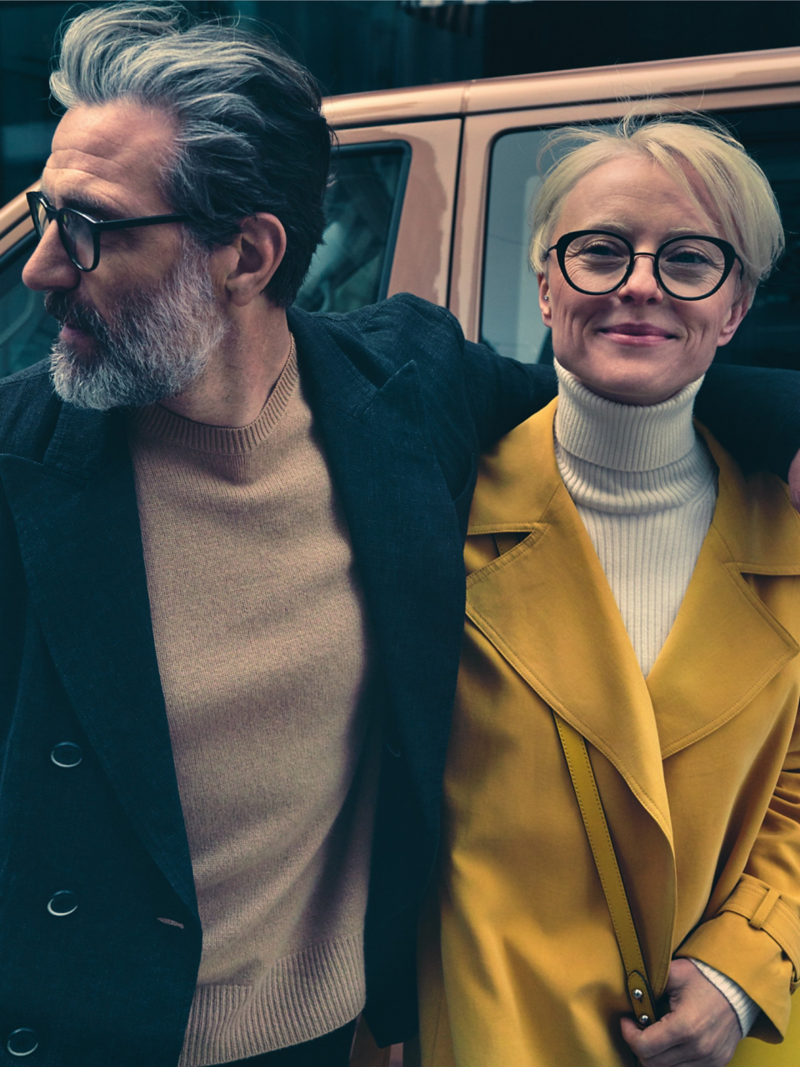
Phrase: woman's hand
[701,1029]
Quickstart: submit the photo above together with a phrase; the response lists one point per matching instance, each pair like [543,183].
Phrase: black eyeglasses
[691,267]
[80,234]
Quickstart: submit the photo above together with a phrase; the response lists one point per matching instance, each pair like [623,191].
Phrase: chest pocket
[483,549]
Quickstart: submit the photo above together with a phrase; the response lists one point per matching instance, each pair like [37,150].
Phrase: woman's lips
[636,333]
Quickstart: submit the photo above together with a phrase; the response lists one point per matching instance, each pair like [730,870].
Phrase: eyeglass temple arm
[129,224]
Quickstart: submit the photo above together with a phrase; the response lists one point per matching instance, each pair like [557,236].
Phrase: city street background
[361,45]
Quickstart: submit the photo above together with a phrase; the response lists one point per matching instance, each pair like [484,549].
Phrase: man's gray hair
[250,137]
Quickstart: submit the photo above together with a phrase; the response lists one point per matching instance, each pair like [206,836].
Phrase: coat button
[66,754]
[22,1042]
[64,902]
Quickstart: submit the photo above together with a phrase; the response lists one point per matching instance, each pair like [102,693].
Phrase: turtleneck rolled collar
[623,437]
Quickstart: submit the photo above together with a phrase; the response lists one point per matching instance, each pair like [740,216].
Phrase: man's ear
[732,324]
[252,257]
[544,300]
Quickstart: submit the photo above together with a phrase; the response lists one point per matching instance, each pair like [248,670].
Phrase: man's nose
[49,267]
[641,286]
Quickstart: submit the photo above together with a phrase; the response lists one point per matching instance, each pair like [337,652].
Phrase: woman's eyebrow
[626,230]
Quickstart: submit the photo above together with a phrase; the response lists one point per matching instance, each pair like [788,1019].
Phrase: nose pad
[642,283]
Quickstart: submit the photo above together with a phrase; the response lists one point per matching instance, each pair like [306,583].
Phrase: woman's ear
[544,300]
[732,323]
[252,257]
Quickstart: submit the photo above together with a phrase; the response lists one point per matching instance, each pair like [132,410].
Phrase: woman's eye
[688,256]
[601,248]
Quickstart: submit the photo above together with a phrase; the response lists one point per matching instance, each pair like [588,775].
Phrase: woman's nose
[641,286]
[49,266]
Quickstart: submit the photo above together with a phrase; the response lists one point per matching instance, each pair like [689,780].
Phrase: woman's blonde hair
[735,188]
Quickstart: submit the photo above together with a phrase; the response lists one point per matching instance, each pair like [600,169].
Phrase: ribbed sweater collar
[158,422]
[623,437]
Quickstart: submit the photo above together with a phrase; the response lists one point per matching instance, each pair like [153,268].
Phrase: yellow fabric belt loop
[764,909]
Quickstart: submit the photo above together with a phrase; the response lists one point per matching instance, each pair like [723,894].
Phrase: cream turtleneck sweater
[645,487]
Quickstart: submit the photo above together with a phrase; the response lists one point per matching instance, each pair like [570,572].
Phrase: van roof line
[747,70]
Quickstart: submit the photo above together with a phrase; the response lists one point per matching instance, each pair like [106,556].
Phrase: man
[232,586]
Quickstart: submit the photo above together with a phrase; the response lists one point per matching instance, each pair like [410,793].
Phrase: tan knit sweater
[260,636]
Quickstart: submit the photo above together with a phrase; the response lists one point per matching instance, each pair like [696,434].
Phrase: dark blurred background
[359,45]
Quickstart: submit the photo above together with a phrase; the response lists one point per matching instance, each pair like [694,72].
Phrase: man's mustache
[69,312]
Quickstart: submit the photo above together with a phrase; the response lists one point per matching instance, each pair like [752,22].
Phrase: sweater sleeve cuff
[745,1007]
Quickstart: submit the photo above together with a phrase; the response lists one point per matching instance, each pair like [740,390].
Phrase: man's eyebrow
[87,204]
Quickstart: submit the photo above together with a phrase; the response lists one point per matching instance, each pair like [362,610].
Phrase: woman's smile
[637,333]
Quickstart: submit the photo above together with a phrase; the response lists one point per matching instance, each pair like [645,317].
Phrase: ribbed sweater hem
[302,997]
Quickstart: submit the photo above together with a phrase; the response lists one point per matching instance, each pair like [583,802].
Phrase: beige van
[432,188]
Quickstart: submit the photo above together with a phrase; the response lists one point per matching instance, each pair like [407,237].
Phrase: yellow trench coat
[698,768]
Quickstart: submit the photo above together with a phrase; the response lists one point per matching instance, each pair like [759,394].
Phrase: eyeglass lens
[76,233]
[39,215]
[689,268]
[77,236]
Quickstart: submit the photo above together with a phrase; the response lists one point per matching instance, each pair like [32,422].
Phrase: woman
[639,589]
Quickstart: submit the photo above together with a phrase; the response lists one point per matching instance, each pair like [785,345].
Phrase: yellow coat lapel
[547,608]
[725,645]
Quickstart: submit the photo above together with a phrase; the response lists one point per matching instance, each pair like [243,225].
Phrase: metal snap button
[64,902]
[66,754]
[22,1042]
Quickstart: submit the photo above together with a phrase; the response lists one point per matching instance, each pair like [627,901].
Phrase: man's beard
[152,346]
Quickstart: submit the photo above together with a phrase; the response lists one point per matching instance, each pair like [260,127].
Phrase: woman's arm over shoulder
[755,413]
[502,392]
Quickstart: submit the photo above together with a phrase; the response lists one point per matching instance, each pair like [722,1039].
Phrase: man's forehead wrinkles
[78,159]
[70,172]
[111,125]
[114,154]
[76,182]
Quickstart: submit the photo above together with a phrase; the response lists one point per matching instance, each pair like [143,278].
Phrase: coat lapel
[405,536]
[548,609]
[78,529]
[725,646]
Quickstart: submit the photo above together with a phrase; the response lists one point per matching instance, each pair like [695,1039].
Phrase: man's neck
[240,376]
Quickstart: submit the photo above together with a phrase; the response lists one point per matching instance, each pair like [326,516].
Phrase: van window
[770,333]
[350,269]
[510,320]
[352,266]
